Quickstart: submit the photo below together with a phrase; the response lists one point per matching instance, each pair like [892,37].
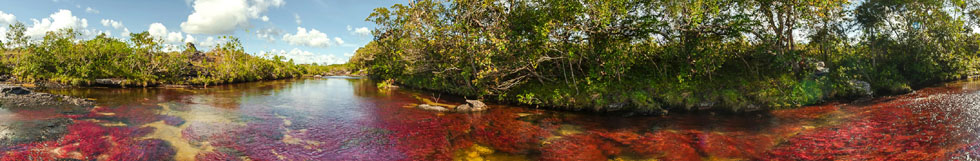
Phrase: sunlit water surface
[350,119]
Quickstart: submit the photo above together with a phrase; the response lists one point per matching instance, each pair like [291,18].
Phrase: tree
[145,42]
[16,36]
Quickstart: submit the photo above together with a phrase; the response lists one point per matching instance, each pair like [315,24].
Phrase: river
[350,119]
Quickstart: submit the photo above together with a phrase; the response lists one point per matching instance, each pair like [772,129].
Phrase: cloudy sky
[308,31]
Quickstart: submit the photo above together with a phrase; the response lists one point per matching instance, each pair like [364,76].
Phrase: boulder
[109,82]
[463,108]
[862,86]
[476,104]
[14,90]
[471,106]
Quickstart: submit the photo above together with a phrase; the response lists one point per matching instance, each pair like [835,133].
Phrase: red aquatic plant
[275,137]
[86,137]
[504,132]
[216,156]
[883,131]
[87,141]
[667,145]
[806,113]
[575,148]
[424,136]
[144,150]
[733,145]
[32,154]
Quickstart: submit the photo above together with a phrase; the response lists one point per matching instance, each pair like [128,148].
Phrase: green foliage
[15,36]
[654,55]
[61,57]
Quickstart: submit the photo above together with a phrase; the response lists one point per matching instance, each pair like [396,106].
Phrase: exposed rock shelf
[19,97]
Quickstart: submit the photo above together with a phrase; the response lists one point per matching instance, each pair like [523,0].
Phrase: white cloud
[311,38]
[268,34]
[91,10]
[338,40]
[216,17]
[225,16]
[363,31]
[298,20]
[265,18]
[6,18]
[258,7]
[58,20]
[160,31]
[210,42]
[126,32]
[190,39]
[306,57]
[112,23]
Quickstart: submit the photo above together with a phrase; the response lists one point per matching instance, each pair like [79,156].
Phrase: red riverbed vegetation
[929,125]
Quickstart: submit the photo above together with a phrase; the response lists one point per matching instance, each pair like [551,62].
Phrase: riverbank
[708,99]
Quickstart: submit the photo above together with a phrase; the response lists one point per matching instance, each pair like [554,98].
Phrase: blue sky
[308,31]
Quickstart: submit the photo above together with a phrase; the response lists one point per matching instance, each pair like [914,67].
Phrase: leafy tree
[15,35]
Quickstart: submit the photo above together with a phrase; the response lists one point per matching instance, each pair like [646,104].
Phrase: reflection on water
[350,119]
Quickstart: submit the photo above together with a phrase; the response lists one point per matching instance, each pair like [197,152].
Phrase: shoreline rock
[14,90]
[469,106]
[19,97]
[432,108]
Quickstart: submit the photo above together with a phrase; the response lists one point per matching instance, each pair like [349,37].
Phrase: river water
[351,119]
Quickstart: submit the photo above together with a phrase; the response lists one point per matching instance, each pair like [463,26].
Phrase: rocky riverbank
[13,97]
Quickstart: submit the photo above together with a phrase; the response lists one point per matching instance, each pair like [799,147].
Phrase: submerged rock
[21,132]
[477,104]
[432,108]
[470,106]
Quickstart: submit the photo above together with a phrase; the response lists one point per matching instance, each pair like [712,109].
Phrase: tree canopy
[651,54]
